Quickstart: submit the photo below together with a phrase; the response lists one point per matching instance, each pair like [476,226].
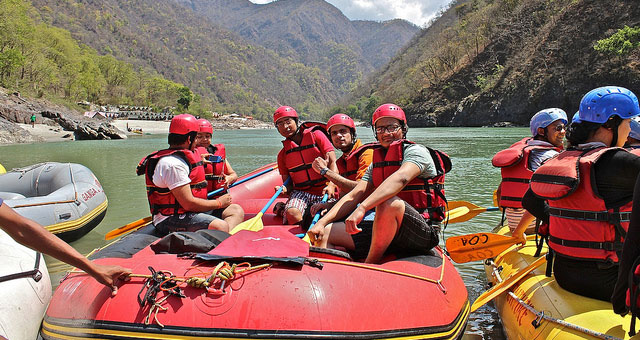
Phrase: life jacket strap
[613,217]
[609,246]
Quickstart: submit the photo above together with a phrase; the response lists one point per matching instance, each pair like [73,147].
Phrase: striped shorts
[513,218]
[302,201]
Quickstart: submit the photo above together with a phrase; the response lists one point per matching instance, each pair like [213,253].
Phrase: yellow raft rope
[394,272]
[540,315]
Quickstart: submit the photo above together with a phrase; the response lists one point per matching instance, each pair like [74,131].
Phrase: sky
[418,12]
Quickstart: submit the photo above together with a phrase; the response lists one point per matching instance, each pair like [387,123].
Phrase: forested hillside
[44,61]
[313,32]
[308,60]
[503,60]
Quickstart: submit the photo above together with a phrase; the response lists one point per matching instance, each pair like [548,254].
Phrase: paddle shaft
[316,217]
[217,191]
[273,198]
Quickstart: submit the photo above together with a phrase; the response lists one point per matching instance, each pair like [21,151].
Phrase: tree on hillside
[186,96]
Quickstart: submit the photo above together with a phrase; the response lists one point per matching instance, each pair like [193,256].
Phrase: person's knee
[391,207]
[294,215]
[218,224]
[234,210]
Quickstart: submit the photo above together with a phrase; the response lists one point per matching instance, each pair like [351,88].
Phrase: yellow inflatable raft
[537,308]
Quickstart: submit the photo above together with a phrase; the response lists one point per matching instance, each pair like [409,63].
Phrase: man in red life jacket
[521,159]
[354,161]
[217,171]
[301,146]
[405,186]
[176,184]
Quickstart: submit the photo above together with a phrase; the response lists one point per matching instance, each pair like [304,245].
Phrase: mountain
[313,32]
[501,61]
[294,52]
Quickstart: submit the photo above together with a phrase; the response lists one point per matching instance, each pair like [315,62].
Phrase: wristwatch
[324,171]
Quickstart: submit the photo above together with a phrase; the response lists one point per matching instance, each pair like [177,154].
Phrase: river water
[114,162]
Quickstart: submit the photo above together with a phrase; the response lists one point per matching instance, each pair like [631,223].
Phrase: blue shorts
[185,222]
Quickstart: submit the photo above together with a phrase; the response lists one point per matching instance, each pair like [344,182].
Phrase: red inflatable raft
[260,285]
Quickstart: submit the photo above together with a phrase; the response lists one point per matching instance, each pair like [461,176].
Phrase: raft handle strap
[34,273]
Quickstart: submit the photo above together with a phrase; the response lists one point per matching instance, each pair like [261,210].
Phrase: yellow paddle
[255,223]
[506,284]
[461,211]
[480,246]
[129,227]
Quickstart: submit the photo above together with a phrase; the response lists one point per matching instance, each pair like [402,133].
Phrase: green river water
[472,179]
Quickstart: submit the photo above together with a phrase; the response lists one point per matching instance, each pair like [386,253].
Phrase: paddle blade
[252,224]
[127,228]
[475,247]
[506,284]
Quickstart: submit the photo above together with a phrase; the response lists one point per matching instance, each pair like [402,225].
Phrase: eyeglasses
[389,128]
[560,127]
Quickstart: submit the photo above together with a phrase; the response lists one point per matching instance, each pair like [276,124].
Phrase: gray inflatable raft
[66,198]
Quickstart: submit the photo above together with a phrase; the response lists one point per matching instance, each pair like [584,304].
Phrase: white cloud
[418,12]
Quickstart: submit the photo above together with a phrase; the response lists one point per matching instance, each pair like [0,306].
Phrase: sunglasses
[560,127]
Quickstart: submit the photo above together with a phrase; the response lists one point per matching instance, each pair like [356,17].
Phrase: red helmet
[284,111]
[388,110]
[204,126]
[183,124]
[340,119]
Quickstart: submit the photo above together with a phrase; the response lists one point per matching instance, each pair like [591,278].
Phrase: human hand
[229,180]
[319,163]
[330,190]
[284,189]
[224,200]
[109,275]
[319,207]
[520,238]
[351,223]
[205,158]
[316,233]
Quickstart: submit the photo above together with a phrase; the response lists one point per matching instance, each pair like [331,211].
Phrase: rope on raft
[166,282]
[541,315]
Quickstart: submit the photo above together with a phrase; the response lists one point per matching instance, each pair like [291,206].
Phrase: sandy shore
[147,126]
[48,133]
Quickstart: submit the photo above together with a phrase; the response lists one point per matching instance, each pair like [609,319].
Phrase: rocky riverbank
[58,123]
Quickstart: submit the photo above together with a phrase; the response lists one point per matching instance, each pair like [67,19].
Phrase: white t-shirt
[171,172]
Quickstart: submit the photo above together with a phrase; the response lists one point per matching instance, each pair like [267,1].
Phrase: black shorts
[415,236]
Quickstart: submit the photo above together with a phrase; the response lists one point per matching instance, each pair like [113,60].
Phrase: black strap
[300,148]
[609,246]
[613,217]
[553,179]
[300,168]
[309,183]
[511,198]
[383,164]
[516,180]
[549,256]
[34,273]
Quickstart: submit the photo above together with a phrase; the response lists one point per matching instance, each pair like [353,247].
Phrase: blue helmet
[598,105]
[635,129]
[576,117]
[543,118]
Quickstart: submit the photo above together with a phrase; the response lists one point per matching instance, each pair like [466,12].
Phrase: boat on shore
[25,290]
[267,284]
[536,307]
[66,198]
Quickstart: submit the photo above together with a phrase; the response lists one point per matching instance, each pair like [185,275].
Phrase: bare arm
[31,234]
[391,186]
[344,184]
[230,175]
[190,203]
[525,221]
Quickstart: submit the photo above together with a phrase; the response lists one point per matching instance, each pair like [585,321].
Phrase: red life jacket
[298,159]
[214,171]
[514,168]
[635,149]
[348,165]
[424,194]
[161,200]
[580,225]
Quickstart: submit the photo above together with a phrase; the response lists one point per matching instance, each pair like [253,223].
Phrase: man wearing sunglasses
[405,186]
[520,160]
